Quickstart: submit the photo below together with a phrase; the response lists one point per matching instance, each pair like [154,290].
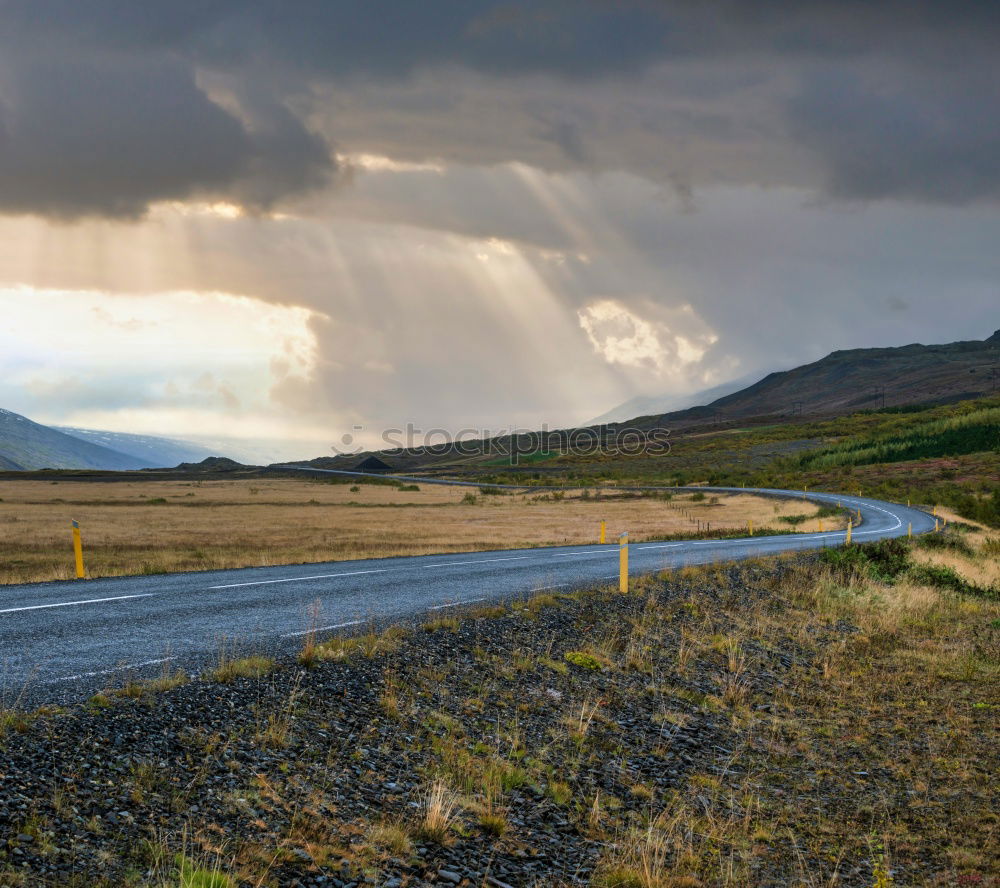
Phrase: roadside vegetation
[801,722]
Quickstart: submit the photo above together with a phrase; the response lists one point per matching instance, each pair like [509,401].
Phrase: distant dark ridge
[212,464]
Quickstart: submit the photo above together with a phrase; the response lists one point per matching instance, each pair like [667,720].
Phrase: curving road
[63,640]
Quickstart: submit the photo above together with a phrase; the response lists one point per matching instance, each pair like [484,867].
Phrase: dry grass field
[162,526]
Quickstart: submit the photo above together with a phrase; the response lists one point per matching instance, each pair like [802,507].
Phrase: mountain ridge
[847,380]
[26,445]
[29,445]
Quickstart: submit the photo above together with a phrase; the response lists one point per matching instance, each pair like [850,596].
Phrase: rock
[449,876]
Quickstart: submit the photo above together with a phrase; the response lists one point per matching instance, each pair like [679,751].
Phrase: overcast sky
[284,219]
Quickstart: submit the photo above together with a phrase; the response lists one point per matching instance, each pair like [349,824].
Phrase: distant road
[64,640]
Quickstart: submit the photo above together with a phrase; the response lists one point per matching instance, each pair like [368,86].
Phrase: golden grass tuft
[440,807]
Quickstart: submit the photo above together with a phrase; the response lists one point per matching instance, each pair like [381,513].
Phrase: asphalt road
[62,641]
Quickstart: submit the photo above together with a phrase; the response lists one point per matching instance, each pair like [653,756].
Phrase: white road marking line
[661,546]
[579,554]
[352,573]
[109,671]
[438,607]
[321,629]
[478,561]
[35,607]
[556,586]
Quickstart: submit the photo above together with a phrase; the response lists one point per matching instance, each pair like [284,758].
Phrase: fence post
[78,550]
[623,564]
[850,522]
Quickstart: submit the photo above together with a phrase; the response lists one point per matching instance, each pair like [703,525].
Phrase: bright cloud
[68,354]
[622,337]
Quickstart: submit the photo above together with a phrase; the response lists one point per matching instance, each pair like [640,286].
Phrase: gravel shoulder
[777,722]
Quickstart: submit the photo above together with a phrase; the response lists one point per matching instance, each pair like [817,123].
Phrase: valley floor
[149,527]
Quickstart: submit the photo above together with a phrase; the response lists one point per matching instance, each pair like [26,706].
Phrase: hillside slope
[863,378]
[151,450]
[29,445]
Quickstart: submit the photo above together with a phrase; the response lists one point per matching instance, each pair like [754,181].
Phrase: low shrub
[942,577]
[584,661]
[883,561]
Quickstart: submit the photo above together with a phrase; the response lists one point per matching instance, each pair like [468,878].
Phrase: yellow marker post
[820,525]
[750,525]
[934,511]
[936,525]
[849,523]
[909,530]
[603,531]
[623,564]
[859,516]
[78,550]
[907,502]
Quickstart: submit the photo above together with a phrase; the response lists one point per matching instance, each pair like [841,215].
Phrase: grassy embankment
[948,455]
[803,723]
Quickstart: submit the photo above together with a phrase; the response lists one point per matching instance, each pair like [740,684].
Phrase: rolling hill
[865,378]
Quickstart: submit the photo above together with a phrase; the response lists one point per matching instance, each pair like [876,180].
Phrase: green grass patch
[244,667]
[973,432]
[584,660]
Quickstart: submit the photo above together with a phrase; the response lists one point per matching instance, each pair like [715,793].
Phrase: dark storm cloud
[78,138]
[108,105]
[936,140]
[110,135]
